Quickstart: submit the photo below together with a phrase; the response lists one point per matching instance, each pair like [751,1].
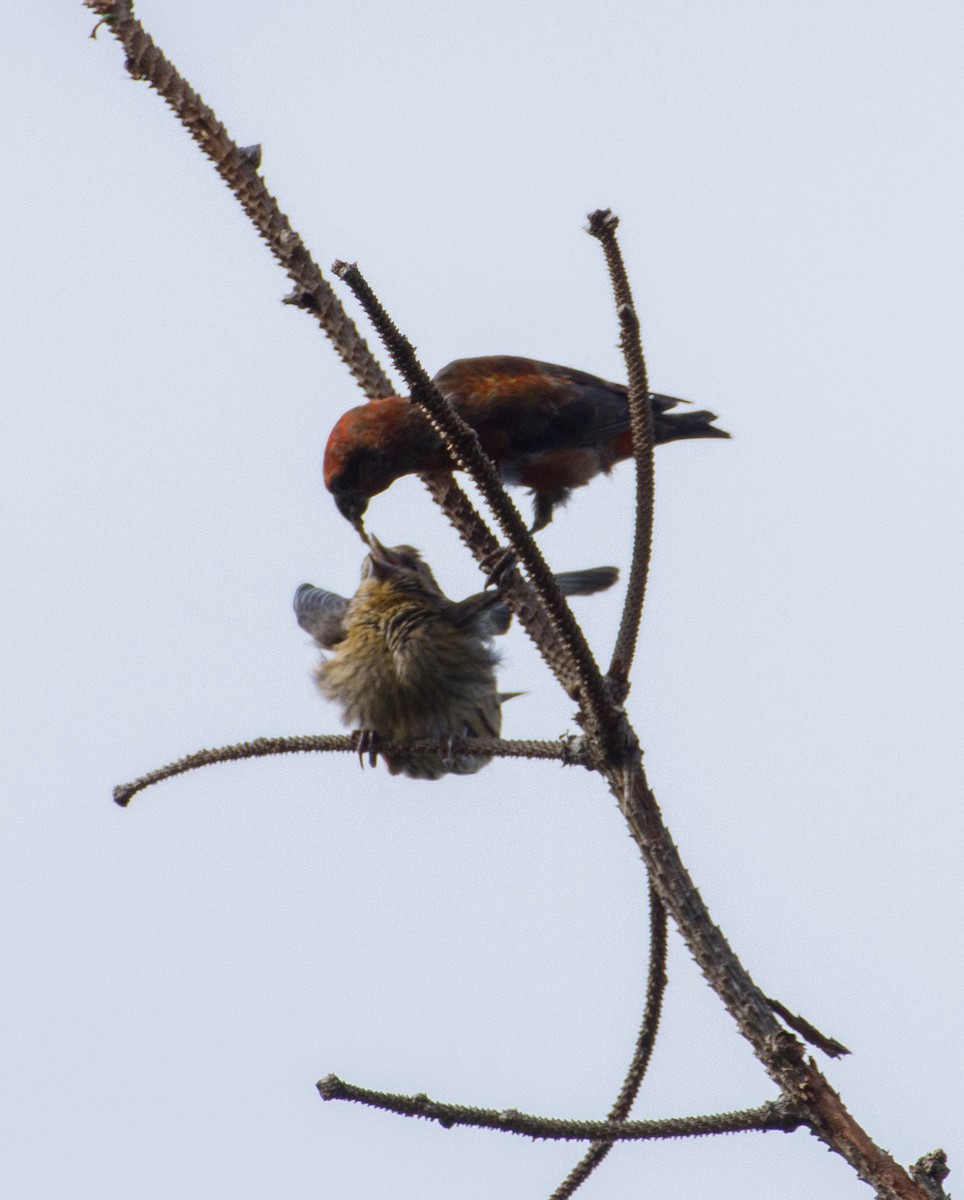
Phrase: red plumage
[546,427]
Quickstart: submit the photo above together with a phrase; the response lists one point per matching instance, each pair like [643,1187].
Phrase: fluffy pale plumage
[407,663]
[546,427]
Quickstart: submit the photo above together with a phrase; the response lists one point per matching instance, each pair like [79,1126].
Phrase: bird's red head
[373,445]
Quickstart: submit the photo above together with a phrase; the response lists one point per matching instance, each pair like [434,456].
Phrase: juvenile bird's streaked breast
[407,663]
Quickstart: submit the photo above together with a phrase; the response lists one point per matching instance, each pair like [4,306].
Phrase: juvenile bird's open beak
[383,561]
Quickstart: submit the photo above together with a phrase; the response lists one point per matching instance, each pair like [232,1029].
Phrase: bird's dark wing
[521,406]
[321,613]
[476,610]
[493,616]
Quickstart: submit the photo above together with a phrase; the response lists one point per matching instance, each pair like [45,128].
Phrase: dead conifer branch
[602,225]
[567,751]
[930,1171]
[259,748]
[776,1115]
[830,1046]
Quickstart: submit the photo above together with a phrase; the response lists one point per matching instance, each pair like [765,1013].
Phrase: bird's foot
[497,565]
[448,755]
[366,741]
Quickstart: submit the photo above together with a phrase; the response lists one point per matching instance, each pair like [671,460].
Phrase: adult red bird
[545,427]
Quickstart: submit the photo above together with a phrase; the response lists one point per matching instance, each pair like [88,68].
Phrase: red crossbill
[408,663]
[548,428]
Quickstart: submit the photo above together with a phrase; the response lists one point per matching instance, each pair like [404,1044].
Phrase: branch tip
[301,298]
[929,1172]
[331,1088]
[602,221]
[810,1033]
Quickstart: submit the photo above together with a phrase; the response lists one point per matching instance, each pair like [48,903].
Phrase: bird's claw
[498,565]
[366,741]
[448,758]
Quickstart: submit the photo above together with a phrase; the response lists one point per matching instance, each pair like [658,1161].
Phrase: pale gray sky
[180,974]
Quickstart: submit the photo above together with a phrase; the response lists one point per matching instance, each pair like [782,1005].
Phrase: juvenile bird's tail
[586,582]
[571,583]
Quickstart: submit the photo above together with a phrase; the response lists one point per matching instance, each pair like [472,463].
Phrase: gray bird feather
[571,583]
[321,613]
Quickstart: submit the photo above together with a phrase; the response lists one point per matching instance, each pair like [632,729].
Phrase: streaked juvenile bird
[545,427]
[408,663]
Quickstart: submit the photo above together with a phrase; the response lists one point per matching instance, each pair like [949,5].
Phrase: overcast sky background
[179,975]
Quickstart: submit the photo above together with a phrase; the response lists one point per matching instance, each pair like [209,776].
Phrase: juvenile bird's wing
[321,613]
[492,614]
[476,610]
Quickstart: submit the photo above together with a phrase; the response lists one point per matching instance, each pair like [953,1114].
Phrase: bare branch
[777,1115]
[645,1041]
[810,1033]
[930,1171]
[602,225]
[569,751]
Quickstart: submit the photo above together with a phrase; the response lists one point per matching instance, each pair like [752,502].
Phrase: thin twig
[645,1041]
[568,751]
[602,225]
[462,443]
[930,1171]
[810,1033]
[777,1115]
